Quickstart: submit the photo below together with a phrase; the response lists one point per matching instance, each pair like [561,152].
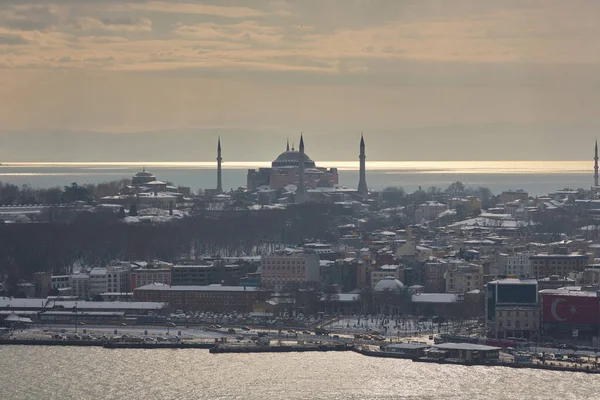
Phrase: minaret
[219,160]
[596,164]
[301,185]
[362,180]
[287,147]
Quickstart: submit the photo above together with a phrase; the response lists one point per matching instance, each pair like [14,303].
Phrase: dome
[143,173]
[142,178]
[389,283]
[292,159]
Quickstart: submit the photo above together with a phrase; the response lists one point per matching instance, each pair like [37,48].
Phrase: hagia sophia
[295,167]
[285,170]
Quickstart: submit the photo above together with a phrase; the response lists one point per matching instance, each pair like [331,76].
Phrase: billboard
[562,309]
[517,293]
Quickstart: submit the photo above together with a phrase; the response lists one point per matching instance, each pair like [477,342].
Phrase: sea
[38,372]
[536,177]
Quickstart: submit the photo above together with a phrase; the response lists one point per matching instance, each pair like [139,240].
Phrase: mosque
[295,168]
[285,170]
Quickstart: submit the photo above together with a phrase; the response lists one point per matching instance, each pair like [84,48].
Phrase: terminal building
[512,308]
[216,298]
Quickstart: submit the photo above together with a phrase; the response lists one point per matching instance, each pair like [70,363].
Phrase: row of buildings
[516,308]
[120,279]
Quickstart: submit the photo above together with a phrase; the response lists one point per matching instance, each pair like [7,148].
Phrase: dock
[221,349]
[225,348]
[107,345]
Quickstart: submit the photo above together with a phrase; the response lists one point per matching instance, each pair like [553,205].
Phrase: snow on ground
[388,326]
[48,331]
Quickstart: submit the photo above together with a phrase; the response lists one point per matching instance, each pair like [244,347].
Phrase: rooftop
[190,288]
[6,302]
[465,346]
[515,281]
[435,298]
[407,346]
[569,291]
[571,255]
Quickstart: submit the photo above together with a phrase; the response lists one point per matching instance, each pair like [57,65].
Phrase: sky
[114,80]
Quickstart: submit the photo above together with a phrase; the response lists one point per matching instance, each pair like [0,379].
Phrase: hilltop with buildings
[295,243]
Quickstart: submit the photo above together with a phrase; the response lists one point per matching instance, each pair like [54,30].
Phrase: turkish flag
[570,309]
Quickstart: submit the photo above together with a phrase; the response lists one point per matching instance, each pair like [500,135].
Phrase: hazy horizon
[252,146]
[139,79]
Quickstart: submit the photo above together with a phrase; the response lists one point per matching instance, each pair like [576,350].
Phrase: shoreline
[219,348]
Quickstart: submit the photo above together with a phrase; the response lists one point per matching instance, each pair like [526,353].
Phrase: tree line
[11,194]
[95,239]
[396,196]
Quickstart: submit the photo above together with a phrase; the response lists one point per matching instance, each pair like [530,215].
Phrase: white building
[80,285]
[114,278]
[97,282]
[60,281]
[287,267]
[517,264]
[429,210]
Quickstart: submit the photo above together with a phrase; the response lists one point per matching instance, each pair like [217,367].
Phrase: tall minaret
[362,180]
[219,160]
[301,185]
[596,164]
[287,147]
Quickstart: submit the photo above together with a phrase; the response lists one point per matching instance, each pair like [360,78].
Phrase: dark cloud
[35,18]
[12,39]
[122,20]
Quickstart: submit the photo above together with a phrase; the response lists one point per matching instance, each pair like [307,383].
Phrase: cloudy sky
[435,79]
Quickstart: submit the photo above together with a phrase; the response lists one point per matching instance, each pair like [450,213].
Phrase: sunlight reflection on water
[96,373]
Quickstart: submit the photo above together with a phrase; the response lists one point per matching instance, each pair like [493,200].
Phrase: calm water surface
[93,373]
[538,177]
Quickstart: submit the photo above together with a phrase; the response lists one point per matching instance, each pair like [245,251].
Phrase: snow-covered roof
[570,291]
[193,288]
[465,346]
[514,281]
[343,297]
[490,222]
[13,317]
[435,298]
[98,271]
[6,302]
[389,283]
[402,346]
[447,213]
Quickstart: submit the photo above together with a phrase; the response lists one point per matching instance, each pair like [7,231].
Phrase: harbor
[459,354]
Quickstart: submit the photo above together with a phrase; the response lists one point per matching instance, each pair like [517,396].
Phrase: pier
[221,349]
